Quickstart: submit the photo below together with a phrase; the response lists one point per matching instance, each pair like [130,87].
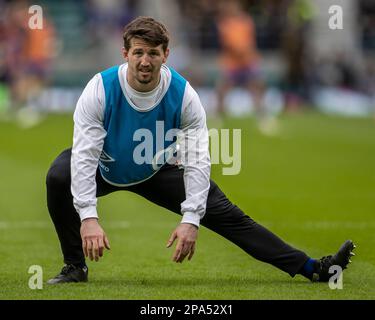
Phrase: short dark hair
[148,30]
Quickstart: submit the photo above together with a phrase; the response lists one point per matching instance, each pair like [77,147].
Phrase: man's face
[144,63]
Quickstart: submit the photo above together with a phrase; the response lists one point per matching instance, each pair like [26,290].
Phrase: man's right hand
[94,239]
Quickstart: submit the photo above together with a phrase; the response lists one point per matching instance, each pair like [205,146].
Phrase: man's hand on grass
[94,239]
[186,235]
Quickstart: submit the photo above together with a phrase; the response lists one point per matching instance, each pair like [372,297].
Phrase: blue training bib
[136,139]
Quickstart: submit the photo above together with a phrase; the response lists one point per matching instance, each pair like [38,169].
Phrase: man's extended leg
[228,220]
[166,189]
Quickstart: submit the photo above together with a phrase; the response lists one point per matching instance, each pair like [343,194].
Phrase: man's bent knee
[59,173]
[57,177]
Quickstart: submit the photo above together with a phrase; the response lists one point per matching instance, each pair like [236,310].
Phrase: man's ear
[125,54]
[166,54]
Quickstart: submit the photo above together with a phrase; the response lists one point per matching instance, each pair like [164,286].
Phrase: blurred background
[302,93]
[240,55]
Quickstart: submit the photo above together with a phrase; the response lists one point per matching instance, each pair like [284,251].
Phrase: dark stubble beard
[145,81]
[140,80]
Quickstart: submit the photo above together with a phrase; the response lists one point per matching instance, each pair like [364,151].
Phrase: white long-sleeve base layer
[89,135]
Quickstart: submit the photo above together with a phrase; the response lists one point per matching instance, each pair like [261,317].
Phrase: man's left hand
[186,235]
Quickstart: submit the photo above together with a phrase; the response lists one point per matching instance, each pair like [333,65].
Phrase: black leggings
[166,189]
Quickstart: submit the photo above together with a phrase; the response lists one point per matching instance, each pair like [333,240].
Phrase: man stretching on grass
[119,105]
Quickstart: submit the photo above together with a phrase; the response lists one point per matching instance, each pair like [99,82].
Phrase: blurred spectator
[200,23]
[298,13]
[369,85]
[337,71]
[366,22]
[3,76]
[28,53]
[239,59]
[110,15]
[108,19]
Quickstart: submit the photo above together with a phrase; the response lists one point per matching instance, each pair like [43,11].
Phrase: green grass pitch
[313,185]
